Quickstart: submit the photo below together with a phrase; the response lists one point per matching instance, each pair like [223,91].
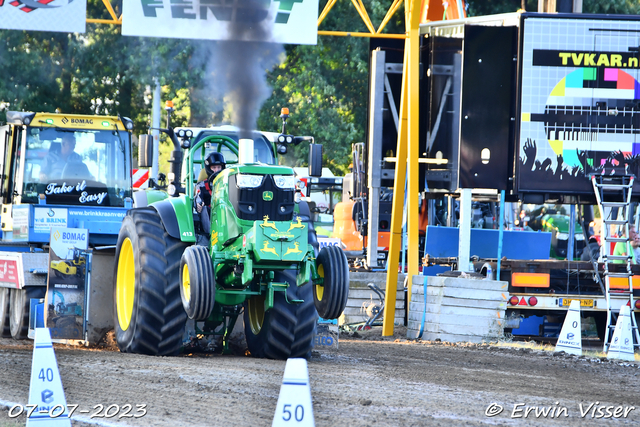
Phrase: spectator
[620,249]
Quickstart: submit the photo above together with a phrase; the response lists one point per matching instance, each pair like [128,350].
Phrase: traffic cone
[622,341]
[294,403]
[570,338]
[45,388]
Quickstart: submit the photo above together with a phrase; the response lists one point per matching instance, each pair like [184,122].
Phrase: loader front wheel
[149,317]
[198,288]
[5,330]
[20,306]
[330,297]
[286,330]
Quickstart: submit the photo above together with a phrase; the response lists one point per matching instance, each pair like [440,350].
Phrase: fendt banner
[289,21]
[580,102]
[44,15]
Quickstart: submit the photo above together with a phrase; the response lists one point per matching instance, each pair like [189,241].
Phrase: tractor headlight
[285,181]
[249,181]
[562,236]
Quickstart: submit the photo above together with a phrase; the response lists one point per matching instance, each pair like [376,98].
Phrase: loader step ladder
[615,192]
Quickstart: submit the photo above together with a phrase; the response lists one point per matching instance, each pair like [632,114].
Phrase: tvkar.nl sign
[44,15]
[291,21]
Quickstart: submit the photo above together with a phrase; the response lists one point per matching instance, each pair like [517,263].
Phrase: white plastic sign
[293,22]
[37,15]
[294,403]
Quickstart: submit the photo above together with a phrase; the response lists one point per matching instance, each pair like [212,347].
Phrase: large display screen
[579,102]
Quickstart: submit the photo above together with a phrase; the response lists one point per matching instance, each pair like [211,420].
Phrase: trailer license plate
[566,302]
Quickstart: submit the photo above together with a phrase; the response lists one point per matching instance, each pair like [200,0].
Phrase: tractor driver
[55,162]
[213,165]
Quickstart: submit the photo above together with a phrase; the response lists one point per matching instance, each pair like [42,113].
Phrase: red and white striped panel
[140,178]
[27,9]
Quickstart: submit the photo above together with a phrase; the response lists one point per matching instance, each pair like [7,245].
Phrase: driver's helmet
[214,159]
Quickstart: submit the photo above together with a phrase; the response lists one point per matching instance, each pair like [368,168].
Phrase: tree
[326,86]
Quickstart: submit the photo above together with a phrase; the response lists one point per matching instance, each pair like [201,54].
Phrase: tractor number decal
[267,196]
[297,224]
[266,248]
[295,250]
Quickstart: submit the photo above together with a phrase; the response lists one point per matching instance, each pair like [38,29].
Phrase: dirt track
[370,381]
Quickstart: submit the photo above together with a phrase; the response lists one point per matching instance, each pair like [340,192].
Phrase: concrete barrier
[361,296]
[457,309]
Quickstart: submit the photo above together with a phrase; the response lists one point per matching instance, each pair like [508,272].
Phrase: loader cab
[93,155]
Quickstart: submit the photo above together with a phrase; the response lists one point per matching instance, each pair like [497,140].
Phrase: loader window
[96,171]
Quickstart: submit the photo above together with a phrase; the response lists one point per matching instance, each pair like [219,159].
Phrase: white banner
[288,21]
[44,15]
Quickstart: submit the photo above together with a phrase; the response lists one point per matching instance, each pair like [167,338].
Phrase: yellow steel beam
[114,18]
[362,11]
[413,152]
[389,15]
[326,10]
[370,35]
[407,154]
[358,4]
[389,313]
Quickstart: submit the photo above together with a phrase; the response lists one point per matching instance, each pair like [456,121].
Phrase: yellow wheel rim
[256,313]
[125,284]
[320,288]
[186,283]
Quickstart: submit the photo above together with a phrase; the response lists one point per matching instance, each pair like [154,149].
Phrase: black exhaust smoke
[245,61]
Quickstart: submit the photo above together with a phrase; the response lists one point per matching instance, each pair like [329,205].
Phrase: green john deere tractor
[253,253]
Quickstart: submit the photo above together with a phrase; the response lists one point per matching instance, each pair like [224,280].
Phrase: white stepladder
[613,193]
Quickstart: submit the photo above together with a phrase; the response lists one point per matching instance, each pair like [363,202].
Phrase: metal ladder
[615,192]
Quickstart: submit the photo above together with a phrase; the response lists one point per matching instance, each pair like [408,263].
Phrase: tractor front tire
[198,288]
[20,306]
[149,317]
[5,330]
[330,297]
[286,330]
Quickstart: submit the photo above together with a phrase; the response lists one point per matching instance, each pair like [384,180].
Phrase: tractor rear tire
[20,302]
[149,317]
[331,297]
[5,330]
[287,330]
[198,287]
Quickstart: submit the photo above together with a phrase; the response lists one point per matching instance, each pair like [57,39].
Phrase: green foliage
[620,7]
[326,86]
[492,7]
